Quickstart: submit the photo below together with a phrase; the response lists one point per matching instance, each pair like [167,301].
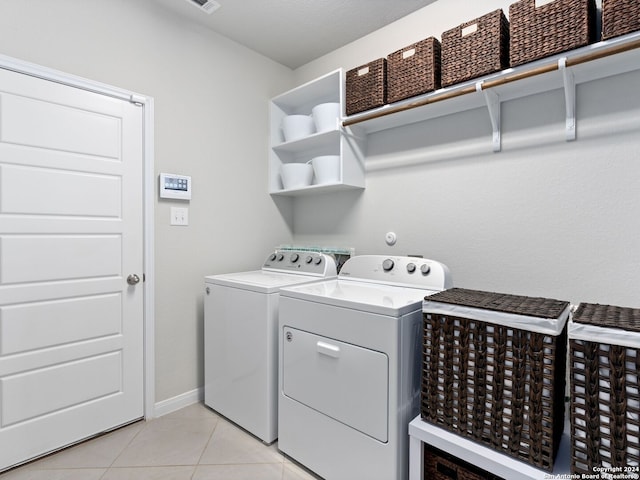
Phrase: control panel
[409,271]
[300,262]
[175,186]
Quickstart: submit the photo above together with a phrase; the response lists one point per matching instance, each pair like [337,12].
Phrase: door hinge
[137,100]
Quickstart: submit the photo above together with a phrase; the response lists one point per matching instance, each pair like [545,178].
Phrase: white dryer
[350,356]
[241,337]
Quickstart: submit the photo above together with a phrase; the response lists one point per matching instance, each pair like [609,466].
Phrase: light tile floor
[191,444]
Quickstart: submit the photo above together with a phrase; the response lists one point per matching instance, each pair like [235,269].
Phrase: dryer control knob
[425,269]
[294,257]
[387,265]
[272,257]
[309,259]
[280,257]
[318,260]
[411,267]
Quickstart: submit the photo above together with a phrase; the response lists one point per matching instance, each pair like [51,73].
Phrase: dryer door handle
[328,349]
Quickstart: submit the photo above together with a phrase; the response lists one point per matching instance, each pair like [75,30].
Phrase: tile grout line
[146,423]
[195,467]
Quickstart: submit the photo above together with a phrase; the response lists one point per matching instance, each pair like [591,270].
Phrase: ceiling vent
[208,6]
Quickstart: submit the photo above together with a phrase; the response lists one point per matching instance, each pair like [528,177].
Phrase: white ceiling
[294,32]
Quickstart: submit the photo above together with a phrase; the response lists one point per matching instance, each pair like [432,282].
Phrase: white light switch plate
[179,216]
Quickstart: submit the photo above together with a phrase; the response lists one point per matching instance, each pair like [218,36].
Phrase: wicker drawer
[619,17]
[494,370]
[552,27]
[604,344]
[475,48]
[413,70]
[366,86]
[439,465]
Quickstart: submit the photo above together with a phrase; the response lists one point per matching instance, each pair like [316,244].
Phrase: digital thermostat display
[175,186]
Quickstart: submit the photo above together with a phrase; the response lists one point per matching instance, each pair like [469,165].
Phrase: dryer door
[343,381]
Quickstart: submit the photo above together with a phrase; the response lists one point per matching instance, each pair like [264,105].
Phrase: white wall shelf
[300,101]
[311,143]
[564,71]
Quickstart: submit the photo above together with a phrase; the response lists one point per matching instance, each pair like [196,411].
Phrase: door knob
[133,279]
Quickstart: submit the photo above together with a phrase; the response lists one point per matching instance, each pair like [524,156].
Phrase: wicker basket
[366,86]
[605,389]
[475,48]
[439,465]
[413,70]
[619,17]
[551,28]
[494,370]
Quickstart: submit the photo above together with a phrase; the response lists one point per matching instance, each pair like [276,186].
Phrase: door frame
[147,104]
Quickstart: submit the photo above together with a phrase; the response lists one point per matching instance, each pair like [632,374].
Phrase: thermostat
[175,186]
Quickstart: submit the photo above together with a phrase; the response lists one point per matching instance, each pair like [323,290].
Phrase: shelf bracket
[569,97]
[492,100]
[352,132]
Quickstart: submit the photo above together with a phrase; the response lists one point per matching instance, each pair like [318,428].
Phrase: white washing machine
[350,359]
[241,337]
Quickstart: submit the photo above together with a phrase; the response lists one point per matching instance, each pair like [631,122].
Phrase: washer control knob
[411,267]
[425,269]
[309,259]
[272,257]
[294,257]
[387,265]
[318,260]
[280,257]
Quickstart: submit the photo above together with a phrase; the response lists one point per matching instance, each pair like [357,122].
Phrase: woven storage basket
[619,17]
[494,370]
[604,344]
[475,48]
[551,28]
[439,465]
[413,70]
[366,86]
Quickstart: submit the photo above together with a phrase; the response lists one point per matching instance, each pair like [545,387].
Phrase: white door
[345,382]
[71,232]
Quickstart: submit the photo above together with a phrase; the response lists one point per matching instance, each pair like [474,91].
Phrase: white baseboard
[176,403]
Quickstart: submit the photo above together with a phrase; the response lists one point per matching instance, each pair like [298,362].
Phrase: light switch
[179,216]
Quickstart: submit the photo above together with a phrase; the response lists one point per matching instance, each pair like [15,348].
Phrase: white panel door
[71,231]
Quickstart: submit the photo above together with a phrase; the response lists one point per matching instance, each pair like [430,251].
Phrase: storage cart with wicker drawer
[366,87]
[494,370]
[540,28]
[604,345]
[475,48]
[413,70]
[619,17]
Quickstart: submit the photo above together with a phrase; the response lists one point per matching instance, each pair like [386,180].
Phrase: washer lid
[369,297]
[259,280]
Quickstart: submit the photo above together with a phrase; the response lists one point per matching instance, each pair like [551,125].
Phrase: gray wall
[543,217]
[211,122]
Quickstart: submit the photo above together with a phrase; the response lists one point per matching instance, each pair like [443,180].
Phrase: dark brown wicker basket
[475,48]
[413,70]
[493,383]
[619,17]
[439,465]
[538,32]
[605,395]
[366,86]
